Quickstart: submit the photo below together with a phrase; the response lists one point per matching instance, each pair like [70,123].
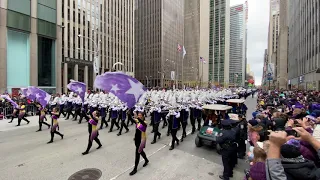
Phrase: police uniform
[243,135]
[227,141]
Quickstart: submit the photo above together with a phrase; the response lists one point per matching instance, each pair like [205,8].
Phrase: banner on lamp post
[96,65]
[172,75]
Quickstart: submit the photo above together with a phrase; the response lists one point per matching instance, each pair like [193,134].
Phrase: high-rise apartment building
[219,42]
[281,67]
[30,43]
[96,29]
[159,28]
[238,42]
[196,30]
[304,49]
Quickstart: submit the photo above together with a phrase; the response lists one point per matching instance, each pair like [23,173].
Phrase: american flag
[179,48]
[202,60]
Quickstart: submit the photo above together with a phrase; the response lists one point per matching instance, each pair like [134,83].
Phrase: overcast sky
[258,23]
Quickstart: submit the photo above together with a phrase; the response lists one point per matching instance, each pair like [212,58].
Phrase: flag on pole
[202,60]
[78,88]
[184,52]
[126,88]
[41,96]
[179,48]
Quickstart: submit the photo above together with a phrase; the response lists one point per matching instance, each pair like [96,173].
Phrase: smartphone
[292,133]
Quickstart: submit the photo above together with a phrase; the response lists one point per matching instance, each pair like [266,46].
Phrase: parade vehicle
[210,130]
[237,104]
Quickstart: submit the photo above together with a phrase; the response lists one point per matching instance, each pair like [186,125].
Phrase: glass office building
[219,42]
[29,36]
[237,45]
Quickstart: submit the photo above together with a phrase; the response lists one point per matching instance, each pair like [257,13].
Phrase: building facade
[282,48]
[264,80]
[159,28]
[304,49]
[196,30]
[98,36]
[219,42]
[274,28]
[237,65]
[30,44]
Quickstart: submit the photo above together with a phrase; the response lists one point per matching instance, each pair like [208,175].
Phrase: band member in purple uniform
[54,124]
[93,131]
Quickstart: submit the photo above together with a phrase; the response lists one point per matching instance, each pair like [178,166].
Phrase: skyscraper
[159,29]
[237,45]
[219,42]
[30,39]
[96,29]
[304,49]
[196,30]
[282,49]
[274,28]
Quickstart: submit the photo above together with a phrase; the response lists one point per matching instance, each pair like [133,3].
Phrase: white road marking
[115,177]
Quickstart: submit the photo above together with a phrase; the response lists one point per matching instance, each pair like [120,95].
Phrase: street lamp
[162,78]
[95,52]
[118,63]
[148,80]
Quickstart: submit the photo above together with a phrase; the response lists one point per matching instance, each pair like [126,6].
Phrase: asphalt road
[24,154]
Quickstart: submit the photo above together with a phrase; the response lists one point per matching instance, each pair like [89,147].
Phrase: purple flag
[14,104]
[40,95]
[78,88]
[27,93]
[126,88]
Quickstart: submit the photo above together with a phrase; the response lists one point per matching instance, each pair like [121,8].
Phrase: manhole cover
[86,174]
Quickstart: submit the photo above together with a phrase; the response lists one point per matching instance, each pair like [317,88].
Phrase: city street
[25,154]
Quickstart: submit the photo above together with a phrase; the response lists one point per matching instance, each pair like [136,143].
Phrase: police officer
[227,141]
[243,135]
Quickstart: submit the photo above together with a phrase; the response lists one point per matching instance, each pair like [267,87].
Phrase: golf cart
[209,131]
[237,106]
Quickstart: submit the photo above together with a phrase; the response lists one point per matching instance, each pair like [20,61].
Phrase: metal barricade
[2,114]
[8,111]
[31,110]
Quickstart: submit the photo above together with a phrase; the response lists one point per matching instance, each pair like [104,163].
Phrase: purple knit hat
[294,142]
[258,171]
